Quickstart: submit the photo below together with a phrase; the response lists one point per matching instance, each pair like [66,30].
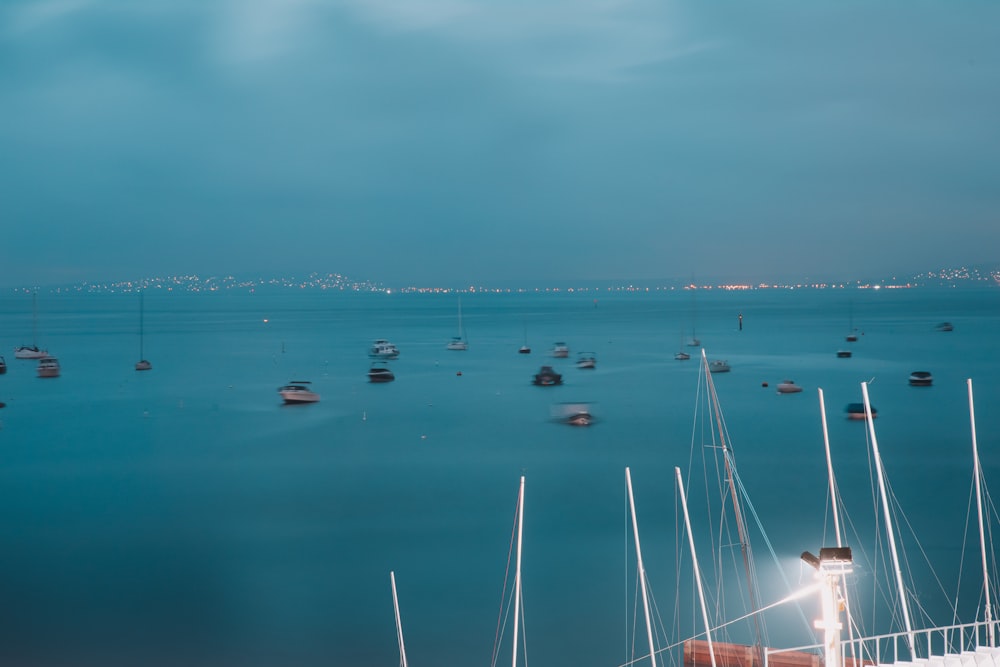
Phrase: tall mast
[829,469]
[979,509]
[141,317]
[888,520]
[517,570]
[737,513]
[642,569]
[399,624]
[697,571]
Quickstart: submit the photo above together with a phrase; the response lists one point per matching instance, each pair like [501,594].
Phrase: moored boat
[3,365]
[586,360]
[547,377]
[48,367]
[682,356]
[560,350]
[945,326]
[29,352]
[921,379]
[458,343]
[719,366]
[788,387]
[857,411]
[843,354]
[383,349]
[380,372]
[298,391]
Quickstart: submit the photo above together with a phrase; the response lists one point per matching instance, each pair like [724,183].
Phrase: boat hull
[29,353]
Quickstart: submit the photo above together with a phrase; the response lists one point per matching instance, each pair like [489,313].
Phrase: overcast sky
[465,141]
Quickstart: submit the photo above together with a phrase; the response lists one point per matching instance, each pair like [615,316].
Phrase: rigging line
[503,594]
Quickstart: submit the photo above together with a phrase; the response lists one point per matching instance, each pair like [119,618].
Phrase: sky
[431,142]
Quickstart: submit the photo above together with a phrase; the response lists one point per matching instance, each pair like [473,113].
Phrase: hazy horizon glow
[450,141]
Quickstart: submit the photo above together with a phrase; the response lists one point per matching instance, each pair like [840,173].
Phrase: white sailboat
[143,364]
[32,351]
[458,343]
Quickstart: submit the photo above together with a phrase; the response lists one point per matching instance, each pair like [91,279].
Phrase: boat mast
[829,469]
[517,570]
[141,316]
[399,624]
[697,571]
[888,520]
[737,513]
[979,509]
[642,569]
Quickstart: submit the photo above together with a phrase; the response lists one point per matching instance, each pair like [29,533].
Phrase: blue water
[183,516]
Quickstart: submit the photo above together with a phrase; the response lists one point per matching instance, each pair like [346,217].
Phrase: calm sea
[184,517]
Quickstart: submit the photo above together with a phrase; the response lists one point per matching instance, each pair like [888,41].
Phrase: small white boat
[560,350]
[788,387]
[3,365]
[719,366]
[921,379]
[524,349]
[586,360]
[682,356]
[298,391]
[48,367]
[383,349]
[945,326]
[380,372]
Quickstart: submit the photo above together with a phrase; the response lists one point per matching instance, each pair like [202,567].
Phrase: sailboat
[458,342]
[32,351]
[143,364]
[524,349]
[852,333]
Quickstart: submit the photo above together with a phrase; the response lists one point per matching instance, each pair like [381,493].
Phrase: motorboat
[682,356]
[945,326]
[851,337]
[560,350]
[719,366]
[586,360]
[29,352]
[547,377]
[48,367]
[843,354]
[857,411]
[3,365]
[788,387]
[298,391]
[380,372]
[383,349]
[575,413]
[921,379]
